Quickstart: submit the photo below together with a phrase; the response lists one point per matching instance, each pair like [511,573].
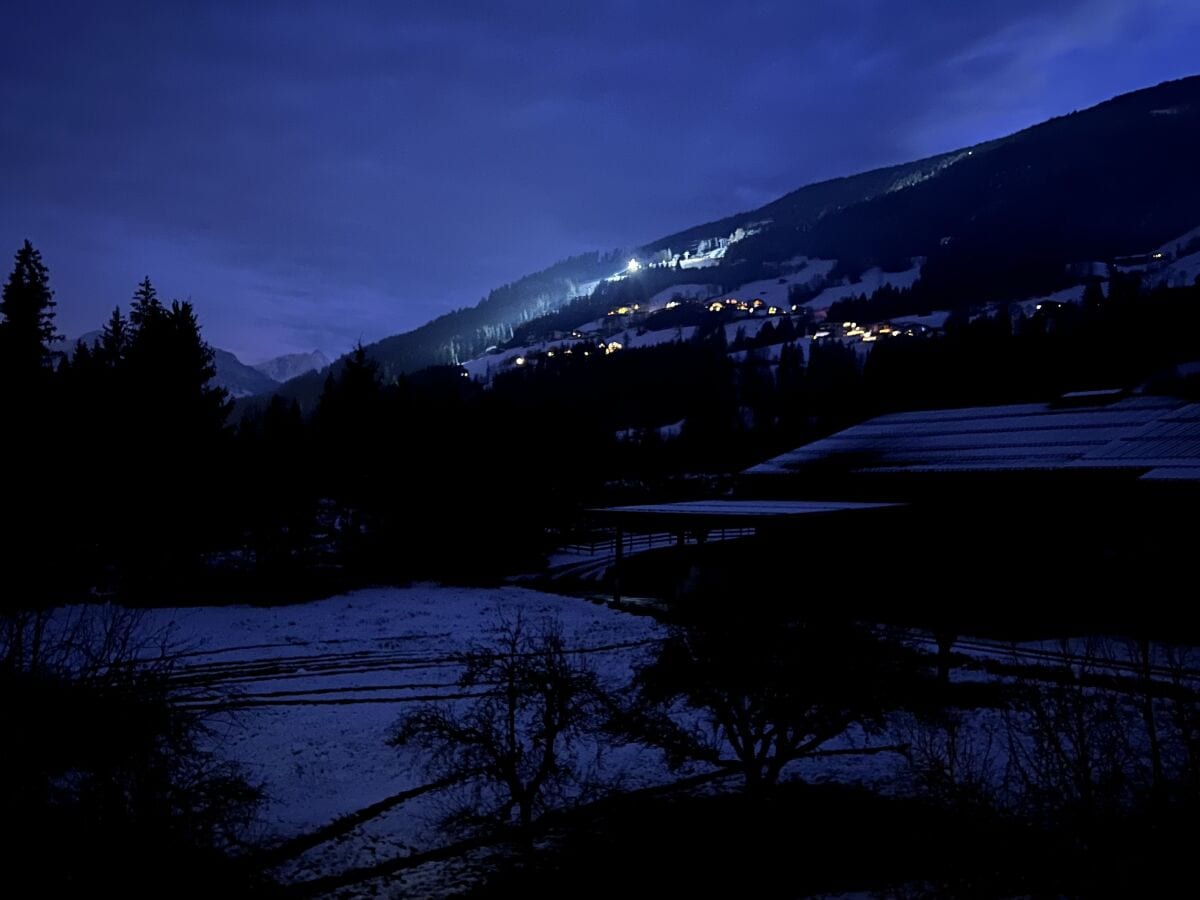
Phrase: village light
[634,265]
[520,361]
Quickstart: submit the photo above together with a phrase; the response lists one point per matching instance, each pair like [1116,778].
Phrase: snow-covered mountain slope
[290,365]
[238,378]
[997,221]
[870,281]
[776,291]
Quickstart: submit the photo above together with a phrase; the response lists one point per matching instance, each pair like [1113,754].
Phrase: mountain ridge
[290,365]
[1008,214]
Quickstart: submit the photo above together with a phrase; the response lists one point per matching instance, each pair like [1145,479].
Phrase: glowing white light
[520,360]
[634,265]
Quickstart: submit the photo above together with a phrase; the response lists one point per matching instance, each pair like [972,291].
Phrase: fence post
[620,554]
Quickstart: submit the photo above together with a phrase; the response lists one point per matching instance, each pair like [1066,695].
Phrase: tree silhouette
[32,444]
[190,371]
[146,308]
[27,316]
[518,741]
[762,694]
[114,338]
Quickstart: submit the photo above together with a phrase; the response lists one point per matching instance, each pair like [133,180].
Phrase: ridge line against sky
[312,174]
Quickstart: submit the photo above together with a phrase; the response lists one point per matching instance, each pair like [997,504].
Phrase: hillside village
[760,318]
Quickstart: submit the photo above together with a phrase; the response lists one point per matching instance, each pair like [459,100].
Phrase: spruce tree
[190,369]
[147,348]
[114,339]
[32,426]
[27,316]
[146,309]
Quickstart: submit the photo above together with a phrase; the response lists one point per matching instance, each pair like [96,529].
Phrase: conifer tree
[27,316]
[114,339]
[146,308]
[188,372]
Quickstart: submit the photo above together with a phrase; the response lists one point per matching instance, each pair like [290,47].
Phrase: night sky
[312,174]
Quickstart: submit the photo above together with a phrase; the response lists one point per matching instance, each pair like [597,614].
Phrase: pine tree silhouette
[146,308]
[114,338]
[27,317]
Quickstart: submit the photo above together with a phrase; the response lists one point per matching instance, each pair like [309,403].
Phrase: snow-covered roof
[739,509]
[1148,434]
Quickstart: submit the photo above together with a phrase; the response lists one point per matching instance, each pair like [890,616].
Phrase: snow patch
[775,290]
[871,281]
[1182,272]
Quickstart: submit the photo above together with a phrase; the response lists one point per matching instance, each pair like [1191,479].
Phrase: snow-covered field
[305,696]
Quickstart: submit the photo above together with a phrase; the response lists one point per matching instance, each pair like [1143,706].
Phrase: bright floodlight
[634,265]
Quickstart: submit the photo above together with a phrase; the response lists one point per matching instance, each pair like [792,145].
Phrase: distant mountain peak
[238,378]
[290,365]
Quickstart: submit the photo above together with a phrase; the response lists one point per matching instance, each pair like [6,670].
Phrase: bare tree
[100,764]
[521,743]
[1182,704]
[1071,749]
[952,759]
[754,696]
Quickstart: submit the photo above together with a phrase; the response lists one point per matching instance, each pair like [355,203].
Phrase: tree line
[131,475]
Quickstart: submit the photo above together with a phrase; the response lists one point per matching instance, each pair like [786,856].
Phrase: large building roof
[733,513]
[1156,438]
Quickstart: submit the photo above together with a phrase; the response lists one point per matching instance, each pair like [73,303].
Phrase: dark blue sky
[310,173]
